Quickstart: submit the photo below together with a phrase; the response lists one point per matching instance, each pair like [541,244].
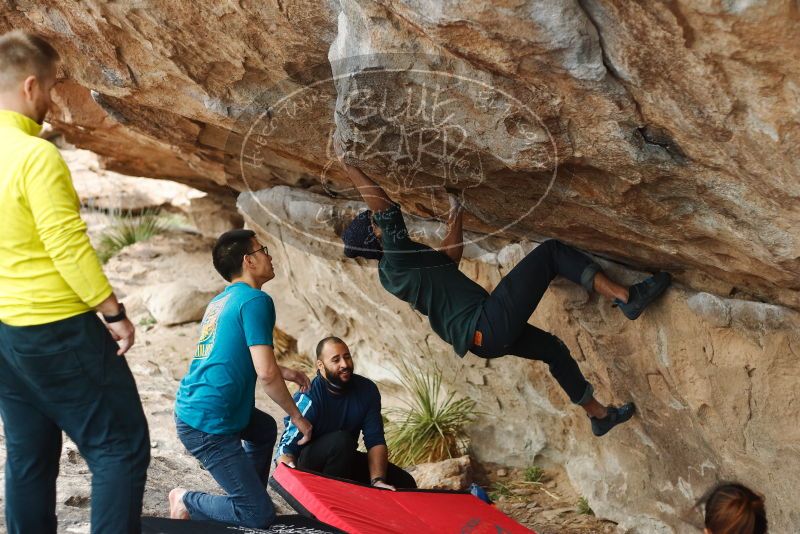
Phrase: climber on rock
[464,314]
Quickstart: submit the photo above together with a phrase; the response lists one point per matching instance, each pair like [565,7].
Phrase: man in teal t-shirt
[217,395]
[215,412]
[465,315]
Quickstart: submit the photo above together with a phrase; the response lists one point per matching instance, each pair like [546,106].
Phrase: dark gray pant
[67,376]
[335,454]
[503,323]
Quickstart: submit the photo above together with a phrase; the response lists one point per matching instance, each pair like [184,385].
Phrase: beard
[335,381]
[40,110]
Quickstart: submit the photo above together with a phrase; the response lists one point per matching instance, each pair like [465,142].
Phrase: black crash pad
[285,524]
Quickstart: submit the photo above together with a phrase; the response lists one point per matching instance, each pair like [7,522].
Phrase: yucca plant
[583,507]
[128,229]
[431,426]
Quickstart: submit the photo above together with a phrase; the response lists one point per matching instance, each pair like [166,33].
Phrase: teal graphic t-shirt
[217,395]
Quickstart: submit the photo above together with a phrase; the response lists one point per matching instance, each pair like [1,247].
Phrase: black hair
[360,240]
[229,251]
[323,341]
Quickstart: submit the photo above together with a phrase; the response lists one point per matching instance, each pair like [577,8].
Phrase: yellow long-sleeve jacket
[48,268]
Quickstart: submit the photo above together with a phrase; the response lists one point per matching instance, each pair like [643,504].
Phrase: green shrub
[499,490]
[127,229]
[431,425]
[583,507]
[534,474]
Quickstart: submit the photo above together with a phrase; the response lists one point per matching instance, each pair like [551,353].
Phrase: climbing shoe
[642,294]
[616,416]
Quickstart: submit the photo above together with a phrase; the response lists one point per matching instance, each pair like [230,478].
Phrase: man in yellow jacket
[61,367]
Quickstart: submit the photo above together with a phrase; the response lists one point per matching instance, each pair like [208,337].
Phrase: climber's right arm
[376,198]
[453,242]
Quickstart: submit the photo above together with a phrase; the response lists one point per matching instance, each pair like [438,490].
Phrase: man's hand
[378,462]
[287,459]
[123,333]
[304,426]
[298,377]
[383,485]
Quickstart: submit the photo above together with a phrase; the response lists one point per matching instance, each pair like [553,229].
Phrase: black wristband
[377,479]
[118,317]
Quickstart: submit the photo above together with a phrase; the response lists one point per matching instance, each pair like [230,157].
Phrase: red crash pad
[360,509]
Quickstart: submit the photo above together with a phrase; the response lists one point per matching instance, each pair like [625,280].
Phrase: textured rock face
[656,134]
[714,379]
[116,193]
[673,126]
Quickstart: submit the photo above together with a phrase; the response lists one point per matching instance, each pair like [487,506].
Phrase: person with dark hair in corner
[215,412]
[463,314]
[732,508]
[340,405]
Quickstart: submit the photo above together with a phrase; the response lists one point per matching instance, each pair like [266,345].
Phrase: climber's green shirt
[48,268]
[430,281]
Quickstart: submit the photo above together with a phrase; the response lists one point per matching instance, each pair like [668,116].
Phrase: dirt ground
[548,506]
[161,356]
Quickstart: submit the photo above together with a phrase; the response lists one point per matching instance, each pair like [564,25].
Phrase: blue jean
[66,375]
[503,327]
[240,465]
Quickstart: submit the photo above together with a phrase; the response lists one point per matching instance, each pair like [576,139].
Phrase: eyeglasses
[264,248]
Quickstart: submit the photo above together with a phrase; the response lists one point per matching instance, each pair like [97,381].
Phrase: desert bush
[583,507]
[534,474]
[431,426]
[127,229]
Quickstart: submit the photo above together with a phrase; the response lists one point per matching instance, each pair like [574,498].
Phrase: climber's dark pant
[503,327]
[66,375]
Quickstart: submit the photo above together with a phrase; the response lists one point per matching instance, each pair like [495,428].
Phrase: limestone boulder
[451,474]
[656,134]
[110,192]
[176,302]
[212,216]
